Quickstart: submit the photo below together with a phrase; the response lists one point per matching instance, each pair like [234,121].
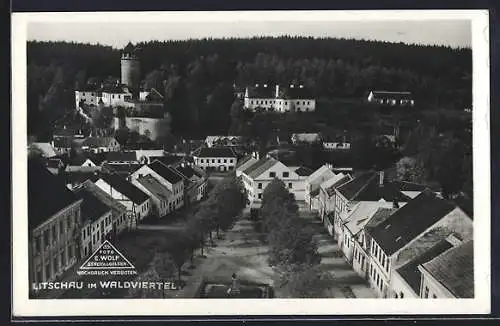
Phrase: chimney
[381,178]
[395,203]
[265,85]
[277,91]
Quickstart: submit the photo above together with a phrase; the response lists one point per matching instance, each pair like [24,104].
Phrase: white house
[147,156]
[162,199]
[215,159]
[293,98]
[391,98]
[97,221]
[198,181]
[134,199]
[46,149]
[169,178]
[312,185]
[399,239]
[101,144]
[449,275]
[257,176]
[354,222]
[245,163]
[305,138]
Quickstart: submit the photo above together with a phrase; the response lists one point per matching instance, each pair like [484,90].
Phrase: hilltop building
[279,99]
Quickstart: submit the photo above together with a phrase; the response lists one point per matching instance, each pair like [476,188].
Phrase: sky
[454,33]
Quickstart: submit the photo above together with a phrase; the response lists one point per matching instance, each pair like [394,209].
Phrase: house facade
[312,185]
[391,98]
[162,199]
[216,159]
[257,176]
[395,240]
[54,215]
[135,200]
[277,98]
[101,144]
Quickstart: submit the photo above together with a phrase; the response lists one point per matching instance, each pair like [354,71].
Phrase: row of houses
[68,221]
[403,238]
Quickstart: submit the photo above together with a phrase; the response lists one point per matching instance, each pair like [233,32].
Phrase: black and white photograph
[298,157]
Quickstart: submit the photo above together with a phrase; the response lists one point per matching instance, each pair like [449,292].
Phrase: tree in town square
[410,169]
[305,281]
[161,269]
[275,189]
[150,275]
[194,233]
[181,253]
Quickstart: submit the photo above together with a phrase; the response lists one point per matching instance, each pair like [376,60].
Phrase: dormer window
[272,174]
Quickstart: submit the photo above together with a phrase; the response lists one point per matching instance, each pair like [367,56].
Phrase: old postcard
[251,163]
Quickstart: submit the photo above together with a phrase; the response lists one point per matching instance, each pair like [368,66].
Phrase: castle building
[130,67]
[293,98]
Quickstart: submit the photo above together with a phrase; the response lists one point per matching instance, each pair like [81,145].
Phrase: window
[289,185]
[54,233]
[426,292]
[259,185]
[259,196]
[202,161]
[47,271]
[401,295]
[37,244]
[61,227]
[272,174]
[46,238]
[286,174]
[434,296]
[213,160]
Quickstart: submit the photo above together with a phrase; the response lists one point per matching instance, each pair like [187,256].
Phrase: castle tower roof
[129,48]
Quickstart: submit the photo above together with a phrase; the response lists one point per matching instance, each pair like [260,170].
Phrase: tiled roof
[116,207]
[126,188]
[155,187]
[165,172]
[394,95]
[121,156]
[410,273]
[167,159]
[188,171]
[380,215]
[45,201]
[410,221]
[92,207]
[121,168]
[319,176]
[303,171]
[249,159]
[216,152]
[352,188]
[99,141]
[259,167]
[361,214]
[331,184]
[295,92]
[454,269]
[259,91]
[306,137]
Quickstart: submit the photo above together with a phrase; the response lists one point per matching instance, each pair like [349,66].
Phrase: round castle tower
[130,67]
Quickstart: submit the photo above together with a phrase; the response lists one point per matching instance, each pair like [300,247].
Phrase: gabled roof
[99,141]
[392,95]
[129,48]
[336,181]
[63,142]
[410,221]
[167,159]
[92,207]
[259,167]
[45,201]
[409,186]
[295,92]
[361,214]
[245,162]
[353,187]
[366,187]
[121,156]
[155,187]
[125,187]
[216,152]
[323,173]
[454,269]
[259,91]
[303,171]
[409,271]
[116,207]
[379,216]
[188,171]
[165,172]
[121,168]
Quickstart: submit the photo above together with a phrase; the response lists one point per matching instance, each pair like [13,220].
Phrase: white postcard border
[22,306]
